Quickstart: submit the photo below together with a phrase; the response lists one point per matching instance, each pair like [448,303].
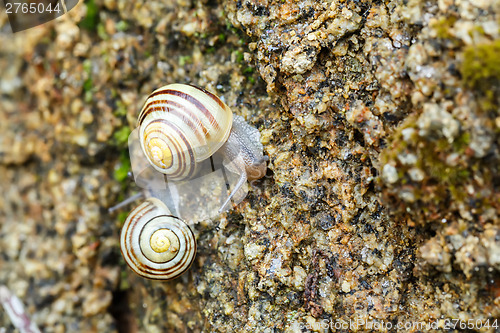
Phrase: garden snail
[181,126]
[155,244]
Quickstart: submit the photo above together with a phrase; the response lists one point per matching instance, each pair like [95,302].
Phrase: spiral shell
[181,125]
[155,244]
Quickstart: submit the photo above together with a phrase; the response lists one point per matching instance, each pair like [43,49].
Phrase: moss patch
[121,136]
[481,71]
[445,167]
[91,19]
[121,170]
[442,26]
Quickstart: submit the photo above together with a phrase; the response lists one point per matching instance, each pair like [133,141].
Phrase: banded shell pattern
[155,244]
[181,125]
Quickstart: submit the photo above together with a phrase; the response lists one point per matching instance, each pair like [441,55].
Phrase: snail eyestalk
[126,202]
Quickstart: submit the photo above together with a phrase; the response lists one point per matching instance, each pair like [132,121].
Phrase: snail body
[180,126]
[155,244]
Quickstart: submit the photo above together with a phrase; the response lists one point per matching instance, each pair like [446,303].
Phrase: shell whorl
[155,244]
[181,125]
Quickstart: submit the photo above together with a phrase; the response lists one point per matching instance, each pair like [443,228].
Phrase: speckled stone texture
[381,203]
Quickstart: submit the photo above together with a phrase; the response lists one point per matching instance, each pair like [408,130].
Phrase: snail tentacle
[126,202]
[237,187]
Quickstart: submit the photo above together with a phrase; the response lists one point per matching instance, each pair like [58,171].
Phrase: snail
[181,126]
[155,244]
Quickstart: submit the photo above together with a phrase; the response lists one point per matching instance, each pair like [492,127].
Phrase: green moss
[443,25]
[249,73]
[121,136]
[248,70]
[397,143]
[87,84]
[431,161]
[239,56]
[87,66]
[441,179]
[121,171]
[101,32]
[122,216]
[183,60]
[91,19]
[88,96]
[231,27]
[122,26]
[121,109]
[461,143]
[481,70]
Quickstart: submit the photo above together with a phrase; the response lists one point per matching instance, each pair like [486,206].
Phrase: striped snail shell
[182,125]
[155,244]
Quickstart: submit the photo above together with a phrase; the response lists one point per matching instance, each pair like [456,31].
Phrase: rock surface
[381,203]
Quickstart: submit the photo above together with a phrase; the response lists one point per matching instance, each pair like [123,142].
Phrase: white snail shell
[182,125]
[155,244]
